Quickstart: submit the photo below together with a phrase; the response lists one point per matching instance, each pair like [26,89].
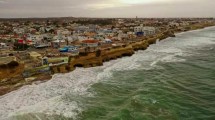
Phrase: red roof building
[90,41]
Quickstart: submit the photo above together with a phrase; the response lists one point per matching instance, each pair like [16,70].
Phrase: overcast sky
[107,8]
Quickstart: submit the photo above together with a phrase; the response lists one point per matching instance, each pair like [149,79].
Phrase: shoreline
[195,30]
[93,60]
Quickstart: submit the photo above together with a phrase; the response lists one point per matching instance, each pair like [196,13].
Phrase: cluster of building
[43,43]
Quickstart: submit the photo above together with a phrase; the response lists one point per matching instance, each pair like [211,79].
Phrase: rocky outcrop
[10,69]
[166,34]
[118,52]
[10,76]
[152,40]
[93,60]
[142,45]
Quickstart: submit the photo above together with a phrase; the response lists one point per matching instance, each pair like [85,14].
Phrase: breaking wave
[49,98]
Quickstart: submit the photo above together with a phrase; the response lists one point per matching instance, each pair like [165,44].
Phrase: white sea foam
[48,97]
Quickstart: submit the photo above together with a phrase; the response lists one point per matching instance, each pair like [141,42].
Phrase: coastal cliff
[10,75]
[11,78]
[93,60]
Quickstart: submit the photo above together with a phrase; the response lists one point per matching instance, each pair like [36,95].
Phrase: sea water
[173,79]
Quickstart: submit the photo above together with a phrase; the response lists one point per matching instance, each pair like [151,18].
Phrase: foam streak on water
[47,98]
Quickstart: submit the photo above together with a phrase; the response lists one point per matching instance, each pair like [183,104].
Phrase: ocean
[173,79]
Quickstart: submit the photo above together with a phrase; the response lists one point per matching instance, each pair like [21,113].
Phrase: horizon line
[100,17]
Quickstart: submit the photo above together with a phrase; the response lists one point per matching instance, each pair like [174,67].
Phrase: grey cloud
[83,8]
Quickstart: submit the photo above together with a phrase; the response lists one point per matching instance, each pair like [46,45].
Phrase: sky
[107,8]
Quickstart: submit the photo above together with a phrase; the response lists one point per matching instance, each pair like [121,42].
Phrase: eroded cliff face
[117,53]
[142,45]
[92,60]
[10,70]
[10,76]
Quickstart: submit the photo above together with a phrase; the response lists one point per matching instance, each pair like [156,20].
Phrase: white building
[122,36]
[184,24]
[3,45]
[64,32]
[146,30]
[35,38]
[174,24]
[19,30]
[58,38]
[138,29]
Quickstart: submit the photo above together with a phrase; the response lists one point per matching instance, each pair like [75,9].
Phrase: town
[34,49]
